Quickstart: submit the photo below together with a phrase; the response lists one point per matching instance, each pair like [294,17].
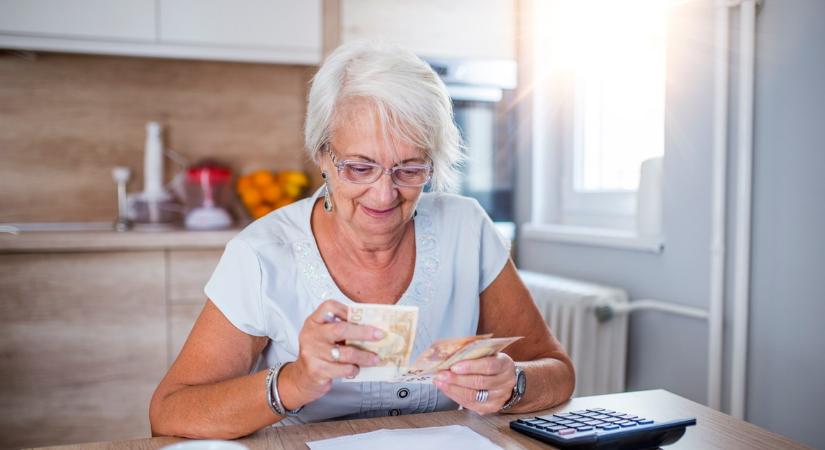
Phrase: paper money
[399,325]
[445,353]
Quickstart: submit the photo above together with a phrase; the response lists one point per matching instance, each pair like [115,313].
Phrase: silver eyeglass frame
[339,166]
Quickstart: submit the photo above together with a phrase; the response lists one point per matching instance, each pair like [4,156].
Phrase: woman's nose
[385,189]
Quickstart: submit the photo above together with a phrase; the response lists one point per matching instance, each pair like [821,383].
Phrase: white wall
[785,391]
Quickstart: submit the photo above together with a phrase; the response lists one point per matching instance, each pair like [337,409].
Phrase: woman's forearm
[550,381]
[223,410]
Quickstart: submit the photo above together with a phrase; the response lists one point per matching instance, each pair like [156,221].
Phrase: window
[600,81]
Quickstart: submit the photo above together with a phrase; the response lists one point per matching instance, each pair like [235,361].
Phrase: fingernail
[375,360]
[458,368]
[441,377]
[378,334]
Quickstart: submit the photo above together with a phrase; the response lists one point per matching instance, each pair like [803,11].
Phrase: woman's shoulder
[278,229]
[445,204]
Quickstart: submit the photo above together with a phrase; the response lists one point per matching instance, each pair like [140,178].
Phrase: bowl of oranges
[264,191]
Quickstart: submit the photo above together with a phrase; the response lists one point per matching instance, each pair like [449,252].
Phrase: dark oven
[482,93]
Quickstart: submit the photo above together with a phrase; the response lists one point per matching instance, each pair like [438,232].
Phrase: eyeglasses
[363,172]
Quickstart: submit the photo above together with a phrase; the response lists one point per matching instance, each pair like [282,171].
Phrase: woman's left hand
[496,374]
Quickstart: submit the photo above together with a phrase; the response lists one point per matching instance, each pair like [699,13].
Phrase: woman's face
[379,208]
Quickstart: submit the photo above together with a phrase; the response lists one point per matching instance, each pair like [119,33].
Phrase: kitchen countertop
[80,241]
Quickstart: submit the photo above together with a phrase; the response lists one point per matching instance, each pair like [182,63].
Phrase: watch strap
[517,394]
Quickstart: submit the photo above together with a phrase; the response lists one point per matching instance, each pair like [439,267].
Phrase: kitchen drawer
[189,270]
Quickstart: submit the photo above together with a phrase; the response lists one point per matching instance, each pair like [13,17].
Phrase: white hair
[408,97]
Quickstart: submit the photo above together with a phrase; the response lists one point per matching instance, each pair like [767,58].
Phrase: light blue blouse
[271,277]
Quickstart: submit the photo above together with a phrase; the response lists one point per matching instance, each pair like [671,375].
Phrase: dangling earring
[327,197]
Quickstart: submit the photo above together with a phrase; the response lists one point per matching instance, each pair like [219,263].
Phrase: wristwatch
[518,389]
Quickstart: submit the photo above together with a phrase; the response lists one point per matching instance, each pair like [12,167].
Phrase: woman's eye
[360,169]
[413,172]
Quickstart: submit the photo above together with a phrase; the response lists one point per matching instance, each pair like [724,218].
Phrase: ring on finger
[481,395]
[335,353]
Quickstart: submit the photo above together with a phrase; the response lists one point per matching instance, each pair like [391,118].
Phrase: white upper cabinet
[469,29]
[286,27]
[273,31]
[89,19]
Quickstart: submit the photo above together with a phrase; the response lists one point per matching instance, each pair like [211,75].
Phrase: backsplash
[66,120]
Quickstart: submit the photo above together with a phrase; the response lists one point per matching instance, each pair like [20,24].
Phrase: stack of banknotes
[399,325]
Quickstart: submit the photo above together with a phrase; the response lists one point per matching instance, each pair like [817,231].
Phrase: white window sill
[597,237]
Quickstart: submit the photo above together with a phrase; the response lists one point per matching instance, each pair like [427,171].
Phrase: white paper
[449,437]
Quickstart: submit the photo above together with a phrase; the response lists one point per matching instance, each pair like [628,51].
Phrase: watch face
[521,383]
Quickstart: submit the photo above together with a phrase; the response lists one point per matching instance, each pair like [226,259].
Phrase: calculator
[600,428]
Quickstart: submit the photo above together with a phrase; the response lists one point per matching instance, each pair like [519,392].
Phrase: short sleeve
[235,288]
[495,251]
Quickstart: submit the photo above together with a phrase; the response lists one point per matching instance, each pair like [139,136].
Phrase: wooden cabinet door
[132,20]
[189,270]
[83,345]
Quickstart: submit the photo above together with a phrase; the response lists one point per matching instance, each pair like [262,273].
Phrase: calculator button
[584,428]
[580,412]
[566,431]
[610,427]
[596,409]
[644,421]
[555,428]
[601,417]
[627,424]
[594,422]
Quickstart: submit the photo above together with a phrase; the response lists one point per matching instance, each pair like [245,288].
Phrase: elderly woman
[379,126]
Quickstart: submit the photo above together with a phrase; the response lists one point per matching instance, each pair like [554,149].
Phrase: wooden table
[713,429]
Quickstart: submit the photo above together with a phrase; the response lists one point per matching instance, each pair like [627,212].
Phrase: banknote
[394,349]
[444,353]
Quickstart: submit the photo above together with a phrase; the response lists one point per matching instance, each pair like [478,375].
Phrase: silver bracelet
[273,398]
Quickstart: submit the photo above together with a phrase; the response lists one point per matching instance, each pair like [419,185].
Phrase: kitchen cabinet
[464,29]
[87,334]
[272,31]
[132,20]
[189,270]
[83,339]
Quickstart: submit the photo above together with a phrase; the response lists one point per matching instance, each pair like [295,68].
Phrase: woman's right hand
[312,374]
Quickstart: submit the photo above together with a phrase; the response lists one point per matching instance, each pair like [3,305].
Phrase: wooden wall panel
[66,120]
[83,344]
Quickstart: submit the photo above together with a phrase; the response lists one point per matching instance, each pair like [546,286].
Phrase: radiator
[598,349]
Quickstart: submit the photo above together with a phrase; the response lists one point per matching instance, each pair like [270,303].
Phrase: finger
[322,313]
[467,397]
[489,365]
[344,331]
[352,355]
[324,371]
[503,380]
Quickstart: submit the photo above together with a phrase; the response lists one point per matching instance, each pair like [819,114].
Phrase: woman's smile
[379,213]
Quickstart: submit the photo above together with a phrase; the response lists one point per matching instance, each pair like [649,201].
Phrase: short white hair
[410,100]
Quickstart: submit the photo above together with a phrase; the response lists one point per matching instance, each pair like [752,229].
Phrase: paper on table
[447,437]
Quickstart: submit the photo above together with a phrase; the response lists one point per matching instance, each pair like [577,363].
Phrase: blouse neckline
[419,292]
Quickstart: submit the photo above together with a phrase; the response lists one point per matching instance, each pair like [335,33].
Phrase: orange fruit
[260,211]
[244,183]
[272,193]
[263,178]
[251,198]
